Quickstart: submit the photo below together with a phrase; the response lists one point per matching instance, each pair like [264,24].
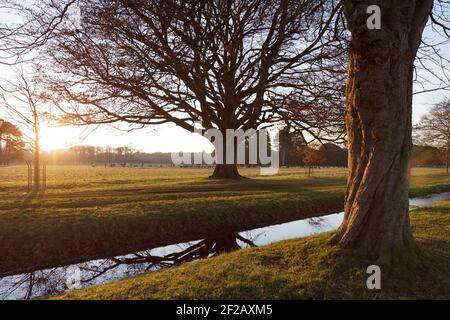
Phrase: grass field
[307,268]
[89,213]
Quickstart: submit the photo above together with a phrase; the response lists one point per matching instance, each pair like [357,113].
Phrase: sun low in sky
[164,138]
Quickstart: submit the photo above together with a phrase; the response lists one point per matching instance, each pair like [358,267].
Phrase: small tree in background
[292,143]
[312,157]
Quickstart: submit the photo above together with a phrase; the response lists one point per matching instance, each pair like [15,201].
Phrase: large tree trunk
[378,116]
[224,170]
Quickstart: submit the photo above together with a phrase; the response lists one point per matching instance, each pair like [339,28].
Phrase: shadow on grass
[30,202]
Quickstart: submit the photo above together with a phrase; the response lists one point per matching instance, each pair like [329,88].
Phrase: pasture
[89,213]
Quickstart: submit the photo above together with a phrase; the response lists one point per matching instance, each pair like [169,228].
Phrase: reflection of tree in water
[146,261]
[317,223]
[53,281]
[25,286]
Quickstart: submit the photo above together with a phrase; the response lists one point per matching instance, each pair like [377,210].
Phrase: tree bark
[224,170]
[1,149]
[7,152]
[379,123]
[447,157]
[37,185]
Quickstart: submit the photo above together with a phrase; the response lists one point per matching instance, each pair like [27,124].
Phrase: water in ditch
[58,280]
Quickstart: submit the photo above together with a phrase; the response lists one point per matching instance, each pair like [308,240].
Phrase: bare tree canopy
[434,129]
[224,64]
[21,99]
[151,62]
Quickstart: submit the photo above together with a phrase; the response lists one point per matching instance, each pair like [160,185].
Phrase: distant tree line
[291,155]
[427,156]
[93,155]
[106,156]
[97,154]
[433,131]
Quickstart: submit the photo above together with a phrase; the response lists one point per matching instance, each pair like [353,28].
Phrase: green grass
[307,268]
[89,213]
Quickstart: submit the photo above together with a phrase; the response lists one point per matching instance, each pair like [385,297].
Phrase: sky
[162,138]
[168,137]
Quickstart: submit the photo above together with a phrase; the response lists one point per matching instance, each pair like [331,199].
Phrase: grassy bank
[89,213]
[307,268]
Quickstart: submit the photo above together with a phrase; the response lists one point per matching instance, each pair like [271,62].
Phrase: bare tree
[434,129]
[19,35]
[22,101]
[221,63]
